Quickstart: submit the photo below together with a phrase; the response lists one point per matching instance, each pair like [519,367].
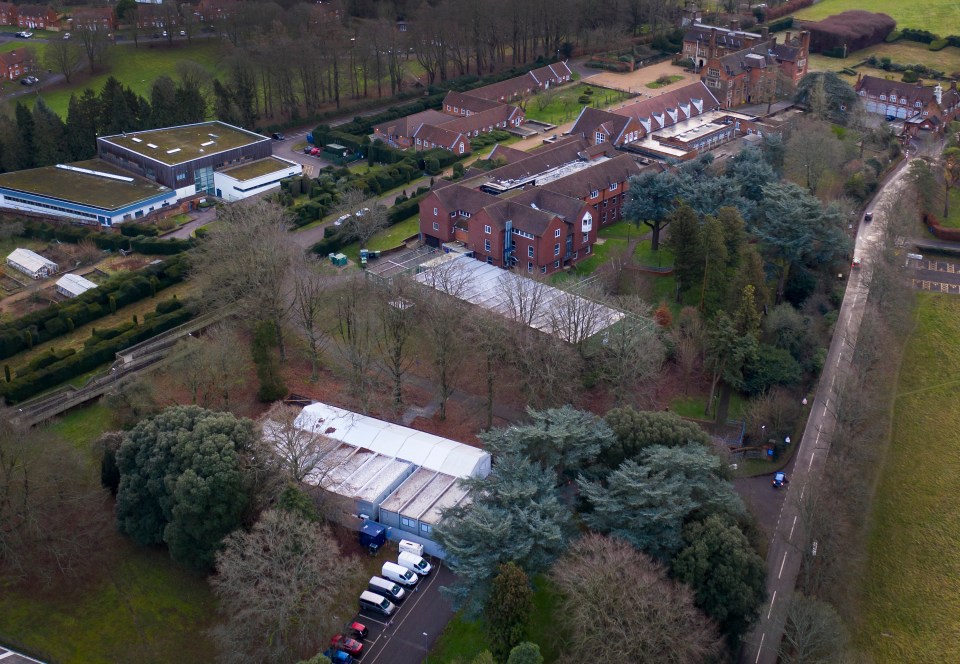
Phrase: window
[556,249]
[893,98]
[601,137]
[594,193]
[863,93]
[587,250]
[435,211]
[603,219]
[556,264]
[613,187]
[486,229]
[425,529]
[586,238]
[712,71]
[530,251]
[461,147]
[543,269]
[410,523]
[883,97]
[556,233]
[917,104]
[486,246]
[605,204]
[529,267]
[436,226]
[489,260]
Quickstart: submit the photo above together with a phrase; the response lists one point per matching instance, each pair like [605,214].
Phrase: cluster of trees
[656,497]
[39,137]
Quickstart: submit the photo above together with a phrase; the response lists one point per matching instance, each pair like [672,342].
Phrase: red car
[341,642]
[357,630]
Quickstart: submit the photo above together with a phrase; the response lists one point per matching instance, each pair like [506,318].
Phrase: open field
[138,68]
[563,105]
[911,596]
[938,16]
[946,60]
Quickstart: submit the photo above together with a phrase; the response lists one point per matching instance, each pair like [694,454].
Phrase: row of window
[412,523]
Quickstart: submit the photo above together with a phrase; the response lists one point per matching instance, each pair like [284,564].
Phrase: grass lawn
[563,105]
[138,68]
[946,60]
[911,596]
[82,426]
[463,639]
[388,238]
[647,256]
[666,80]
[146,608]
[693,406]
[938,16]
[953,220]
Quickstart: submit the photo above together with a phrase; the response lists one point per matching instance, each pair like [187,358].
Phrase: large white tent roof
[551,310]
[75,284]
[31,261]
[396,441]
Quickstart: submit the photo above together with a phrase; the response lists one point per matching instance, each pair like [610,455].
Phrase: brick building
[38,17]
[93,18]
[157,16]
[539,214]
[431,129]
[15,63]
[921,107]
[8,13]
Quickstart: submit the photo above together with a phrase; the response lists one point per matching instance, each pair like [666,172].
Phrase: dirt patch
[636,81]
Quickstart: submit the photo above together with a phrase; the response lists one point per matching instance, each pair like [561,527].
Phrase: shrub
[892,37]
[910,76]
[938,44]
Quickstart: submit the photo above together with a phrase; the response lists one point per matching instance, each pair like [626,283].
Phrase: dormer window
[893,98]
[601,137]
[883,97]
[594,193]
[917,104]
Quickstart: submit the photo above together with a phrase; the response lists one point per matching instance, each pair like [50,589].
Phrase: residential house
[921,107]
[518,87]
[38,17]
[211,11]
[463,103]
[8,13]
[93,18]
[428,137]
[16,63]
[399,132]
[599,126]
[157,16]
[702,42]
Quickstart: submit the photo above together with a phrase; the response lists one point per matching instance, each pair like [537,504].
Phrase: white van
[414,563]
[374,602]
[401,575]
[411,547]
[389,589]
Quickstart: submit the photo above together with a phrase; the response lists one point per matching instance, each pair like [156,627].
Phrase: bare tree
[813,150]
[355,336]
[630,352]
[575,317]
[608,587]
[246,263]
[210,367]
[47,488]
[814,633]
[396,312]
[366,217]
[63,55]
[95,44]
[488,333]
[310,290]
[277,589]
[300,449]
[522,299]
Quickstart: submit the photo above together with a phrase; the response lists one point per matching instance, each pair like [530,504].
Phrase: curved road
[789,540]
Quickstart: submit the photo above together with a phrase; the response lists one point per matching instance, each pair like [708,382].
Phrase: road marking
[802,491]
[792,527]
[772,600]
[811,460]
[817,441]
[760,647]
[782,564]
[423,586]
[825,408]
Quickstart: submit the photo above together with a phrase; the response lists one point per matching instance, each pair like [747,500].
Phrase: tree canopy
[638,430]
[648,501]
[182,481]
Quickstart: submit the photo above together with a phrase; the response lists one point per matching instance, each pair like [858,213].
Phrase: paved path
[789,539]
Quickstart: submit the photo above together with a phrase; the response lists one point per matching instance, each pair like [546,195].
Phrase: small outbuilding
[31,263]
[72,285]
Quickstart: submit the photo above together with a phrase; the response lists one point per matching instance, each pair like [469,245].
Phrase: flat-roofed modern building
[184,158]
[92,191]
[394,475]
[238,182]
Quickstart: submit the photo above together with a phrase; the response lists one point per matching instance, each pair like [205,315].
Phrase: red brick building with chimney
[921,107]
[38,17]
[15,63]
[93,18]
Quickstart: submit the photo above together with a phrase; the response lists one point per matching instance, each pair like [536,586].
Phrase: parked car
[868,216]
[389,589]
[165,33]
[779,479]
[341,219]
[276,136]
[315,151]
[357,630]
[66,35]
[401,575]
[373,602]
[338,656]
[856,263]
[414,563]
[183,33]
[25,35]
[346,644]
[361,212]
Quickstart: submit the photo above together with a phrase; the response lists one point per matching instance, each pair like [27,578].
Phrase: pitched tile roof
[566,207]
[457,197]
[408,124]
[499,116]
[463,101]
[671,107]
[914,92]
[591,119]
[581,183]
[439,136]
[523,217]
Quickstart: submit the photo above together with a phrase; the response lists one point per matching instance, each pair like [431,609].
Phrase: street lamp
[426,652]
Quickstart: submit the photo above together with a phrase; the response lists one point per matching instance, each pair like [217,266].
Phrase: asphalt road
[401,640]
[789,539]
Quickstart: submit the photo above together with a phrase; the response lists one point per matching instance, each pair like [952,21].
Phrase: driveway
[636,81]
[411,632]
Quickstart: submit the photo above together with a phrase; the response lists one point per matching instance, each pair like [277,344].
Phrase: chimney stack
[764,33]
[786,40]
[805,41]
[734,24]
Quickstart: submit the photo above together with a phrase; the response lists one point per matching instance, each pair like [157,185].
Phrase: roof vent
[173,150]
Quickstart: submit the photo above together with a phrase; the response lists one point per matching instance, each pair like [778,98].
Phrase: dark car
[276,136]
[868,216]
[307,150]
[779,479]
[341,642]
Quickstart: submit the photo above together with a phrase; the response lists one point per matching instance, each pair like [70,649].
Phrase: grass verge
[911,596]
[388,238]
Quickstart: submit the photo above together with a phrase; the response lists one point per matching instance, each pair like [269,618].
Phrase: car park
[779,479]
[346,644]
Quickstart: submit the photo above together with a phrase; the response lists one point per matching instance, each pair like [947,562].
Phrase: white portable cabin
[31,263]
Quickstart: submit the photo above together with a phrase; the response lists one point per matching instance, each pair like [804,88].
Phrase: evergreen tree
[508,610]
[714,248]
[83,114]
[525,653]
[637,430]
[163,103]
[24,148]
[50,139]
[684,241]
[650,200]
[191,105]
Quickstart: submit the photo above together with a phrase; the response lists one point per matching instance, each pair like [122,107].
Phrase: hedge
[940,232]
[91,357]
[133,230]
[404,210]
[126,288]
[110,241]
